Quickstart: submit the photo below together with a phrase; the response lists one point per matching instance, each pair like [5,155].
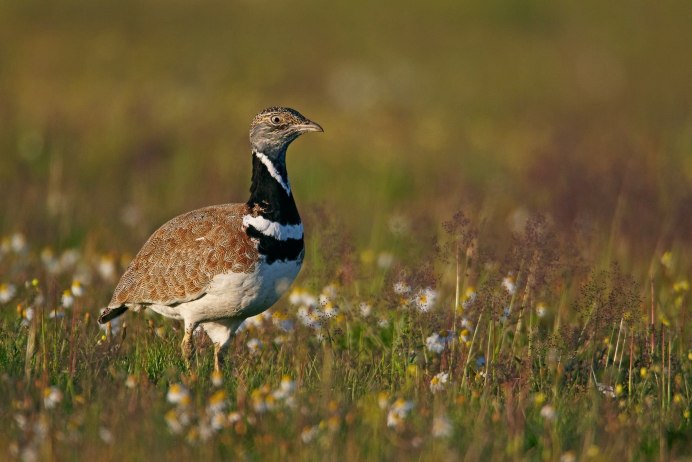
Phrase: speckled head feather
[289,116]
[274,128]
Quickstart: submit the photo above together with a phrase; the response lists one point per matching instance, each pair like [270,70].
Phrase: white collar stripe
[273,172]
[274,229]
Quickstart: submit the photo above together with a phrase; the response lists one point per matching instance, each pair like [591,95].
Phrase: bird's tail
[111,313]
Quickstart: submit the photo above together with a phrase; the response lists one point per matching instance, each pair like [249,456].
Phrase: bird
[216,266]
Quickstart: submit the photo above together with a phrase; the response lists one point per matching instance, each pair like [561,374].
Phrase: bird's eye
[276,120]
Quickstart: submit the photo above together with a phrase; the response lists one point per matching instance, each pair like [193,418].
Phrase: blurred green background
[115,116]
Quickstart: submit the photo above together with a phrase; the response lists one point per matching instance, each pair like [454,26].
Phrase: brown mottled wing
[179,260]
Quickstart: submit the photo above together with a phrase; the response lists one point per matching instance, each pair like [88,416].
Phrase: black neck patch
[267,193]
[274,249]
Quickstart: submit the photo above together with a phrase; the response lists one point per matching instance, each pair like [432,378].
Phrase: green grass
[562,132]
[588,376]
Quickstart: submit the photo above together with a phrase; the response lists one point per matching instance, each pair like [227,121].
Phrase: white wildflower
[217,402]
[77,288]
[106,267]
[18,243]
[441,427]
[27,316]
[281,339]
[330,311]
[175,424]
[398,224]
[385,260]
[548,412]
[541,310]
[383,400]
[607,390]
[253,322]
[218,421]
[283,322]
[286,388]
[401,288]
[233,417]
[7,291]
[258,399]
[49,260]
[300,296]
[469,297]
[329,293]
[178,394]
[310,317]
[52,396]
[67,300]
[568,456]
[21,421]
[131,381]
[425,299]
[29,454]
[309,433]
[438,382]
[435,343]
[365,309]
[69,259]
[509,285]
[106,435]
[56,314]
[217,378]
[398,412]
[254,345]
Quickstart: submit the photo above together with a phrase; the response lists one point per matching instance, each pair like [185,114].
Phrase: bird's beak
[308,126]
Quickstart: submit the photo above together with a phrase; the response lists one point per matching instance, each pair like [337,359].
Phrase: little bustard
[216,266]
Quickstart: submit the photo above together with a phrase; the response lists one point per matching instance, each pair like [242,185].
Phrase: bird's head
[273,129]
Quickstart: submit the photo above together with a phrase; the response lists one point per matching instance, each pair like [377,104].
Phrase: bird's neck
[270,190]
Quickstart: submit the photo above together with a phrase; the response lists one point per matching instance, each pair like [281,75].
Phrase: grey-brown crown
[274,128]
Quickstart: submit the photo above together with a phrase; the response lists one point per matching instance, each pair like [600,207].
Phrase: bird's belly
[242,294]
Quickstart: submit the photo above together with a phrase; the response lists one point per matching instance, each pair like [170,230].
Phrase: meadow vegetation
[498,225]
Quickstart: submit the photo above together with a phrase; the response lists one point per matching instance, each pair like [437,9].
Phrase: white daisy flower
[77,288]
[398,412]
[425,299]
[401,288]
[441,427]
[7,291]
[509,285]
[52,396]
[254,345]
[178,394]
[435,343]
[548,412]
[106,267]
[67,300]
[541,310]
[309,433]
[217,378]
[385,260]
[439,382]
[18,243]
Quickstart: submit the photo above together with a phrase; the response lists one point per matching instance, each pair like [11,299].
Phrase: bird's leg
[219,354]
[221,333]
[188,346]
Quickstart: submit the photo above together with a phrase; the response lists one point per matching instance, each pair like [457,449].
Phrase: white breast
[238,294]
